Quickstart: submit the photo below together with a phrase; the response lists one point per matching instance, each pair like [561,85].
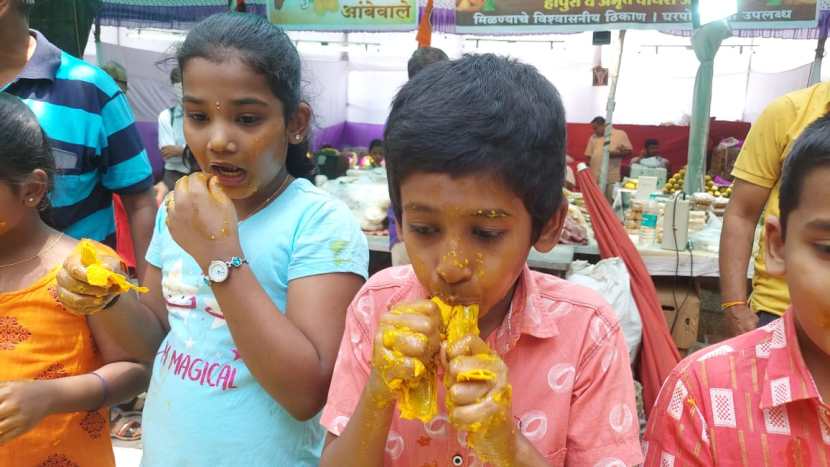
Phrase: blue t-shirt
[93,137]
[204,408]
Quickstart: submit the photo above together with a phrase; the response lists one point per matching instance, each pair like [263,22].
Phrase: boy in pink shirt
[475,152]
[760,399]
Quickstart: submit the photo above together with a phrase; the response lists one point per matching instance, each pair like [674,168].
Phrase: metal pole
[612,103]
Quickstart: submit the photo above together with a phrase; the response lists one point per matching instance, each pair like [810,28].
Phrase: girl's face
[235,126]
[20,200]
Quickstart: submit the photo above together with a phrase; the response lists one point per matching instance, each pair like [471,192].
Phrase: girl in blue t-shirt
[251,268]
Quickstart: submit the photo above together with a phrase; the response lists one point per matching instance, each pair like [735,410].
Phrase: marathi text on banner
[516,16]
[344,15]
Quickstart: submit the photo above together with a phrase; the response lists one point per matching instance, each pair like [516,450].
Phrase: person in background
[651,158]
[171,136]
[620,147]
[755,193]
[118,74]
[99,153]
[424,57]
[374,157]
[421,58]
[759,399]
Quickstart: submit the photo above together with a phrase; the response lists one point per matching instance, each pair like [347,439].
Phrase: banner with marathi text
[534,16]
[344,15]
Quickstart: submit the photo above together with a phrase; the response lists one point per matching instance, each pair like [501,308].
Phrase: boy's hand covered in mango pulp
[479,400]
[203,220]
[91,277]
[405,349]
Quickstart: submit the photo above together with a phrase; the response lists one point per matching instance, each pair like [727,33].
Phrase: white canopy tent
[353,77]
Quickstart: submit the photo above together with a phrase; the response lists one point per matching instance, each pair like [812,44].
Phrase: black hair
[267,50]
[24,146]
[424,57]
[481,114]
[651,142]
[375,143]
[24,6]
[810,151]
[176,75]
[598,121]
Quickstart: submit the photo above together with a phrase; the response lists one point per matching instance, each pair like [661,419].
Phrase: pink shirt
[749,401]
[573,395]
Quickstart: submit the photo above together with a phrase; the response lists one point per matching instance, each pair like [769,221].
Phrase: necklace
[285,182]
[45,249]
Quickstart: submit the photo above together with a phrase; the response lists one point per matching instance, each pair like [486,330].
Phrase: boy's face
[804,258]
[652,149]
[468,238]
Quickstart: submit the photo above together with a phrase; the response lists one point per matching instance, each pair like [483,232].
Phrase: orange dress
[39,339]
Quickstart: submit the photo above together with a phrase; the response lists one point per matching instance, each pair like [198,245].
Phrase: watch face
[218,271]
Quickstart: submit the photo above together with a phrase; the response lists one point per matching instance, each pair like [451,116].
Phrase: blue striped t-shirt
[97,148]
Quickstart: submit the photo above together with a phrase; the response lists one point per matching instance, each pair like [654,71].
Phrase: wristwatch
[218,271]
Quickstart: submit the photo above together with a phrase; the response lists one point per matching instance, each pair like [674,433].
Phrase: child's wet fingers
[74,267]
[395,366]
[413,322]
[81,304]
[66,281]
[475,368]
[420,307]
[465,417]
[468,345]
[469,393]
[411,344]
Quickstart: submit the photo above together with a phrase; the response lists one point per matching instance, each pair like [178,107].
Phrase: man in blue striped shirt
[97,148]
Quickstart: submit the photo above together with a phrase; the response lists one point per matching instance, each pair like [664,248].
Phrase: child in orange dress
[59,371]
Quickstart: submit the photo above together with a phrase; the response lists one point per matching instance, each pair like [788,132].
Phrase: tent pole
[612,103]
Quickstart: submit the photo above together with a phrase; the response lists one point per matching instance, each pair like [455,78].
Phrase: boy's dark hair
[810,151]
[481,114]
[24,146]
[267,50]
[375,143]
[424,57]
[598,121]
[651,142]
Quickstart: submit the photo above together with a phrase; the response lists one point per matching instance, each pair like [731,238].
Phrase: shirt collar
[44,63]
[524,316]
[787,378]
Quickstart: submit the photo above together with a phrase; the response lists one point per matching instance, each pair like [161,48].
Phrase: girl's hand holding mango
[91,278]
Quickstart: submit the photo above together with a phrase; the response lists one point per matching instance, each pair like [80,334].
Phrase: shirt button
[457,460]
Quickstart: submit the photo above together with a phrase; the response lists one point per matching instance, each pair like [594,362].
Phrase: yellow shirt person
[619,148]
[758,169]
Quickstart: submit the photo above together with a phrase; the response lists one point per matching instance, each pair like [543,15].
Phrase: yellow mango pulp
[100,276]
[418,396]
